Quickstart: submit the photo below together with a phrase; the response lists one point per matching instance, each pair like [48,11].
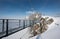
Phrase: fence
[10,26]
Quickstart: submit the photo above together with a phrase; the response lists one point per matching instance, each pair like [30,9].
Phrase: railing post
[33,22]
[23,24]
[29,22]
[19,22]
[41,27]
[3,26]
[6,27]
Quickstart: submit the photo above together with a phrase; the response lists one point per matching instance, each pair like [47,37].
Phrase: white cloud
[30,12]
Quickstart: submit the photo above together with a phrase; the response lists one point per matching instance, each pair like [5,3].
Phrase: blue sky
[18,8]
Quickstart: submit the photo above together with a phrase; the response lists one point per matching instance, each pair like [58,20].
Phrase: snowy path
[23,34]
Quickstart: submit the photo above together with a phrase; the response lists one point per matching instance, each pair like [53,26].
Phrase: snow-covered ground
[23,34]
[53,32]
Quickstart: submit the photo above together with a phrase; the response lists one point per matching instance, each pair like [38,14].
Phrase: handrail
[5,24]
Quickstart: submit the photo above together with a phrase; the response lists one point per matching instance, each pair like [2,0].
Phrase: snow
[23,34]
[53,32]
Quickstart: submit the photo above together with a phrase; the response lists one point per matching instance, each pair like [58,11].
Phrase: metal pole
[29,22]
[33,22]
[23,24]
[6,27]
[19,22]
[41,27]
[3,26]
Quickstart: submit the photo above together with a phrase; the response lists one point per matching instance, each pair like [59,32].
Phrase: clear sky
[18,8]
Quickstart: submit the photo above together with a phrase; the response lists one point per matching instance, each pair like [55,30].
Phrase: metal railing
[10,26]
